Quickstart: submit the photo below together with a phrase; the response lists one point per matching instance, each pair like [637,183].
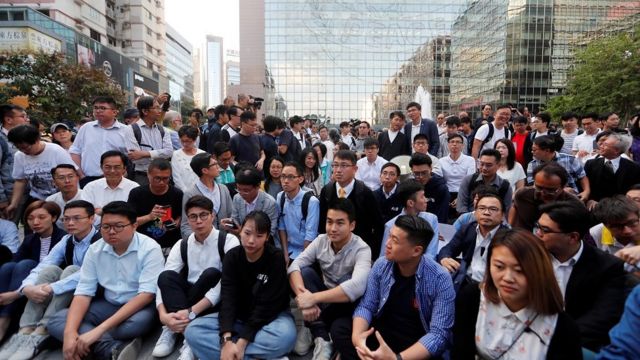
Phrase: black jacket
[594,297]
[565,342]
[369,224]
[438,197]
[606,184]
[389,208]
[464,241]
[255,293]
[30,248]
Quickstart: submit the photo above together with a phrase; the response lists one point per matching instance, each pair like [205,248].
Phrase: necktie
[342,193]
[609,166]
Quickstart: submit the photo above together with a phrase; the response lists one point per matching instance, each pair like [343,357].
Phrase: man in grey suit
[206,167]
[249,198]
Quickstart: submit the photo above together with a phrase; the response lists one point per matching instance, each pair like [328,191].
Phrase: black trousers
[178,294]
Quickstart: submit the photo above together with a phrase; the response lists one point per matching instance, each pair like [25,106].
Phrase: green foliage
[606,77]
[55,89]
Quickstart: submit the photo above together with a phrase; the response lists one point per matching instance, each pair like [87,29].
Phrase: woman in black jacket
[41,216]
[254,313]
[517,313]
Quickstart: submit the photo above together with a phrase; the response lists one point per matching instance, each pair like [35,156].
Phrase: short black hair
[81,204]
[160,164]
[571,216]
[248,176]
[491,152]
[5,109]
[545,142]
[493,196]
[323,148]
[145,103]
[272,123]
[199,162]
[544,117]
[121,208]
[344,124]
[413,104]
[397,113]
[296,165]
[295,119]
[113,153]
[344,205]
[220,110]
[198,201]
[419,232]
[407,190]
[106,100]
[615,209]
[189,131]
[371,142]
[421,137]
[261,221]
[393,165]
[418,159]
[24,134]
[347,155]
[454,136]
[247,116]
[568,115]
[452,120]
[520,120]
[220,148]
[552,168]
[63,166]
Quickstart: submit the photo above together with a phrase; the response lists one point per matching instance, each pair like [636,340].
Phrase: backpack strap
[70,247]
[305,204]
[185,257]
[4,146]
[489,135]
[222,239]
[137,133]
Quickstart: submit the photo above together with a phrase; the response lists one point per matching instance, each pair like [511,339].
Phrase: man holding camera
[145,139]
[158,205]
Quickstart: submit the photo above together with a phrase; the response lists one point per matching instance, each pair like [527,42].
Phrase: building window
[94,35]
[149,32]
[112,41]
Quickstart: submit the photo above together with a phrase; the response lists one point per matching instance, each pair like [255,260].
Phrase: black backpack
[305,204]
[507,134]
[222,239]
[137,133]
[70,246]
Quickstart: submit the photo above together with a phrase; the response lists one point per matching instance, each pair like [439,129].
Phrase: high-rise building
[342,60]
[232,69]
[213,76]
[198,92]
[179,67]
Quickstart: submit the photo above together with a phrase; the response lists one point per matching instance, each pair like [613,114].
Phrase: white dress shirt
[348,189]
[369,173]
[99,193]
[563,270]
[479,260]
[455,170]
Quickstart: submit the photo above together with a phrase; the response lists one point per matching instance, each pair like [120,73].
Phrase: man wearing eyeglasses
[65,177]
[124,265]
[49,287]
[592,282]
[146,140]
[97,137]
[158,205]
[189,285]
[435,187]
[231,128]
[549,182]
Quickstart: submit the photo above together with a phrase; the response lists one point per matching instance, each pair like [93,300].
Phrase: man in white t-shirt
[32,165]
[569,131]
[500,131]
[582,145]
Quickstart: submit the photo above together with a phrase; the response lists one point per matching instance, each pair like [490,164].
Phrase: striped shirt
[45,245]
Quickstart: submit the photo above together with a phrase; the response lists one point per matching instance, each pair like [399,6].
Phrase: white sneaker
[165,344]
[323,349]
[303,341]
[29,348]
[186,353]
[13,345]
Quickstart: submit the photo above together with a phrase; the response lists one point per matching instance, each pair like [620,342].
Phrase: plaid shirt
[569,162]
[434,293]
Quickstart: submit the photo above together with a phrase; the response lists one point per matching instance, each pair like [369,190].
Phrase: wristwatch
[192,315]
[224,339]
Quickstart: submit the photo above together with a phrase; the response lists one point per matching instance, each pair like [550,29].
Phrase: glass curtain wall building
[341,60]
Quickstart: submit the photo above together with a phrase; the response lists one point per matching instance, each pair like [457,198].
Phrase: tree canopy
[55,89]
[606,77]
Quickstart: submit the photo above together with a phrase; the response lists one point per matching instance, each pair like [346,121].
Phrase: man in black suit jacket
[489,213]
[612,174]
[369,224]
[591,281]
[390,149]
[427,127]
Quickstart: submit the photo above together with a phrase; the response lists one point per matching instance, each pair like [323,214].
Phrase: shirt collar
[572,261]
[119,186]
[141,123]
[348,188]
[490,235]
[116,124]
[615,162]
[133,246]
[393,191]
[86,238]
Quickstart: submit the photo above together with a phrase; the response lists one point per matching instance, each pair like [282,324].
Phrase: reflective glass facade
[362,59]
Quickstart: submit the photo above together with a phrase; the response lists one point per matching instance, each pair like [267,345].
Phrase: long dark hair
[267,173]
[262,223]
[511,156]
[316,168]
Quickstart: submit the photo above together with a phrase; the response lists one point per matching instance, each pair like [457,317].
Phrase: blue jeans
[100,310]
[11,276]
[273,340]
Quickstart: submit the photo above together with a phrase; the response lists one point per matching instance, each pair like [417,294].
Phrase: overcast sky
[194,19]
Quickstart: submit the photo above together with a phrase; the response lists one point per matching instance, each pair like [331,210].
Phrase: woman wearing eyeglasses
[517,311]
[41,217]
